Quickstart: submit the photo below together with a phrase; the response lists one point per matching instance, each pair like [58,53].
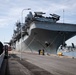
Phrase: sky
[10,13]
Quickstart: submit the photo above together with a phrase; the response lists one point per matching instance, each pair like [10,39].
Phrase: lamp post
[21,29]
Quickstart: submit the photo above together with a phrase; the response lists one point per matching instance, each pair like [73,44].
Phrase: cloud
[11,17]
[10,10]
[3,23]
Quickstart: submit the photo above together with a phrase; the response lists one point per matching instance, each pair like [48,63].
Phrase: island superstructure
[40,32]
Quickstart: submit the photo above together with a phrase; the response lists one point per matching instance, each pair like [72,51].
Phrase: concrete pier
[34,64]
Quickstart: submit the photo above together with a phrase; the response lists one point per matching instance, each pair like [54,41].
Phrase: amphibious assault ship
[40,32]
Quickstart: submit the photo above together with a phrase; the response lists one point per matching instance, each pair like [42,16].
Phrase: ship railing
[1,58]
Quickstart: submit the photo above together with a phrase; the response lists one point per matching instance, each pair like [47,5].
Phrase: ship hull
[40,33]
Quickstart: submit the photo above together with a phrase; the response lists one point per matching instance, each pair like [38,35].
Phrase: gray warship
[40,32]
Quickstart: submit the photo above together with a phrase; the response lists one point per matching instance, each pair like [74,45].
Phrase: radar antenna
[38,14]
[55,16]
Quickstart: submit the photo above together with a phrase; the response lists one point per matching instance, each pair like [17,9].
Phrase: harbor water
[73,54]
